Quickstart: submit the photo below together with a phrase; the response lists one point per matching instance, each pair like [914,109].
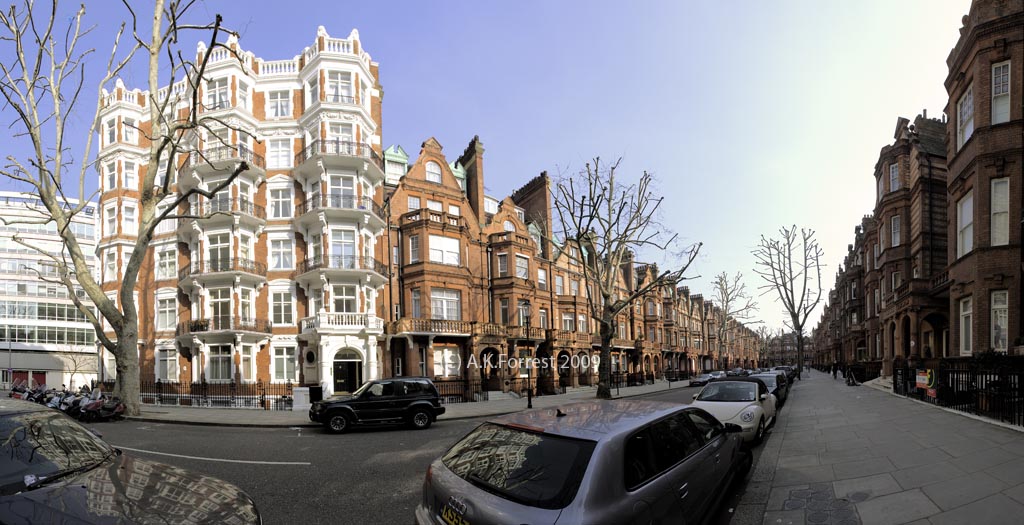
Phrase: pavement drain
[817,505]
[821,506]
[818,517]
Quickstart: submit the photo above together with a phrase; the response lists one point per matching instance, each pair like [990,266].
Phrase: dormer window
[894,176]
[510,226]
[433,172]
[490,206]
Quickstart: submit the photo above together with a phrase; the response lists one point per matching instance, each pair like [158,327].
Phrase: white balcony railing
[342,321]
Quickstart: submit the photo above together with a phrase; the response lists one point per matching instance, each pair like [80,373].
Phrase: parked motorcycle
[100,407]
[19,390]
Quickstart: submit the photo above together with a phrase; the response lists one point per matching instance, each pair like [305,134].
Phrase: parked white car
[742,401]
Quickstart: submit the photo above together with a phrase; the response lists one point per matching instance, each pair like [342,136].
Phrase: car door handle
[684,490]
[718,458]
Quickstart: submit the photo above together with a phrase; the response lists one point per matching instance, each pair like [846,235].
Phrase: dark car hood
[131,490]
[337,399]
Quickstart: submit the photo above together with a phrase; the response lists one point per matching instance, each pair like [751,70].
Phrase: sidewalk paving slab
[885,459]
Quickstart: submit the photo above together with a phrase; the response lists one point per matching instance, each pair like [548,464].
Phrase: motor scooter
[101,408]
[19,390]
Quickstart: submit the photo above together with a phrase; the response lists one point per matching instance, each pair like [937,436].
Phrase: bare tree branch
[601,228]
[791,266]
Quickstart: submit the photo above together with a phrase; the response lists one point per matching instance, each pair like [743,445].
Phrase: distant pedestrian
[835,371]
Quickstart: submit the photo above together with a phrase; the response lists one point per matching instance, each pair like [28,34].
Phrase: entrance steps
[498,395]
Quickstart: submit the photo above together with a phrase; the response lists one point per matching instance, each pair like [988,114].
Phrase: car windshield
[527,467]
[769,381]
[730,391]
[362,389]
[704,376]
[39,445]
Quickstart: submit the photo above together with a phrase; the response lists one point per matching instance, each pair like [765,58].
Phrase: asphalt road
[308,476]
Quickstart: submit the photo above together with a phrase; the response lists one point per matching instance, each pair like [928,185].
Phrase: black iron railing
[231,264]
[338,148]
[225,323]
[226,204]
[988,386]
[224,394]
[339,202]
[460,390]
[221,152]
[340,262]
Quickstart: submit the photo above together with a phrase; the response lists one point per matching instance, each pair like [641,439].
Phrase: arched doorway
[933,336]
[585,367]
[490,369]
[657,367]
[565,370]
[348,370]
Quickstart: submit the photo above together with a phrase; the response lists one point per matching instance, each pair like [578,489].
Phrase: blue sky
[751,114]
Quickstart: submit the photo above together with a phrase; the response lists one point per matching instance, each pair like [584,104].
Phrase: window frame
[432,175]
[964,231]
[966,319]
[965,116]
[998,99]
[999,217]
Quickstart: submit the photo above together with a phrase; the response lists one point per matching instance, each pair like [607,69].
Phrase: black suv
[410,400]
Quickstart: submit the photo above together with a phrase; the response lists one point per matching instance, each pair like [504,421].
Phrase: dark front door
[346,376]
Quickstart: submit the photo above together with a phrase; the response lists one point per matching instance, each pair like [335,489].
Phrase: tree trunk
[604,385]
[126,385]
[799,354]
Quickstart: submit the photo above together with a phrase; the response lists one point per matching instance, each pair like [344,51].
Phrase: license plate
[451,516]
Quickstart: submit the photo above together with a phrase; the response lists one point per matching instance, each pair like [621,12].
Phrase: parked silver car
[620,461]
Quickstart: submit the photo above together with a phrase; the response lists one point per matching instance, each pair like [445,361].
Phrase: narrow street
[308,476]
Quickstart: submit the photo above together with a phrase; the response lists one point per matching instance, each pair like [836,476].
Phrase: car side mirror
[96,433]
[695,396]
[764,397]
[733,428]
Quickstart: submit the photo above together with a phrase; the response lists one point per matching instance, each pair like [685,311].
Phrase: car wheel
[337,423]
[759,437]
[420,420]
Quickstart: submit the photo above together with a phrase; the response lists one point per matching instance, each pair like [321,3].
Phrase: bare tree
[77,362]
[764,340]
[734,304]
[611,222]
[42,82]
[791,266]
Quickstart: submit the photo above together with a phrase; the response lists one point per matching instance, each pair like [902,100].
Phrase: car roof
[596,420]
[10,406]
[746,379]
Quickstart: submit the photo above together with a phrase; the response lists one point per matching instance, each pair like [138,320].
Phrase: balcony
[364,269]
[595,340]
[522,332]
[216,158]
[340,154]
[427,216]
[430,327]
[340,207]
[492,329]
[224,265]
[223,212]
[341,322]
[224,324]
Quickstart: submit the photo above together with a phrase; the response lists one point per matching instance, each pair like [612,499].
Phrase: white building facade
[44,338]
[275,278]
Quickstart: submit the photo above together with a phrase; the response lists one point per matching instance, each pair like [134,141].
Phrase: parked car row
[618,461]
